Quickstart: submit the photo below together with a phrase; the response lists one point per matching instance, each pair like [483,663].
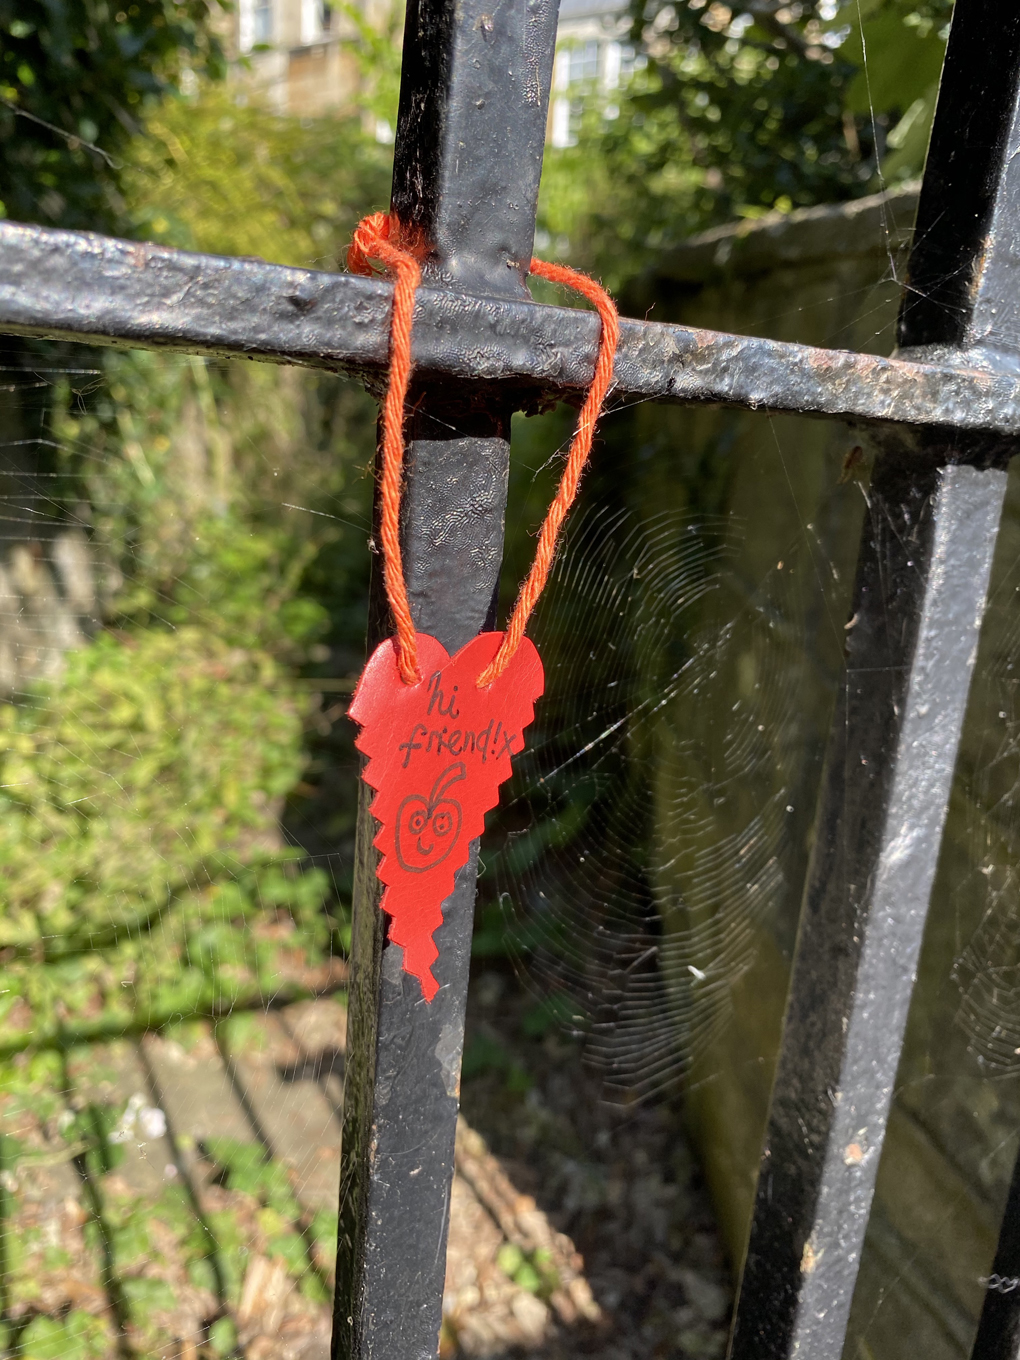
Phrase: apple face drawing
[427,828]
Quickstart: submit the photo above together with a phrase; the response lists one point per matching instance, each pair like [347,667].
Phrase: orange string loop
[375,239]
[372,241]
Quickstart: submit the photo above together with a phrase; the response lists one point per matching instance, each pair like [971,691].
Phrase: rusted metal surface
[87,287]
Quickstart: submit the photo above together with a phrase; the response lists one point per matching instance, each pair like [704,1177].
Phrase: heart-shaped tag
[438,751]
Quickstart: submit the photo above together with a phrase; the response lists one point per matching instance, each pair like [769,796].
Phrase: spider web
[659,798]
[169,1005]
[173,961]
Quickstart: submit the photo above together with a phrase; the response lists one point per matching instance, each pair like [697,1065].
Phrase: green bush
[141,864]
[145,875]
[77,1336]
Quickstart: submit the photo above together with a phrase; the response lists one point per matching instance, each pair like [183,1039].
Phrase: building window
[611,66]
[597,66]
[263,20]
[246,25]
[584,62]
[561,133]
[311,11]
[254,23]
[577,64]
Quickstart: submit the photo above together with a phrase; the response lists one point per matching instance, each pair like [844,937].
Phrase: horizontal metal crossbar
[92,288]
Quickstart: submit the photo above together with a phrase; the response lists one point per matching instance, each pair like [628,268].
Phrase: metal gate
[945,417]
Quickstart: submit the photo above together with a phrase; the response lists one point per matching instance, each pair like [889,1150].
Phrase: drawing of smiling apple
[427,828]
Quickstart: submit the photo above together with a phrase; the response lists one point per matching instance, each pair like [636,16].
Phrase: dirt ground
[617,1180]
[175,1197]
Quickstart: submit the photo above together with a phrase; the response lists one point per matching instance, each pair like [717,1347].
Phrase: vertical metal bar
[985,84]
[962,276]
[998,1334]
[919,598]
[470,138]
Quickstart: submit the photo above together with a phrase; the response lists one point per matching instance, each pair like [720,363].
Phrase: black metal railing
[945,418]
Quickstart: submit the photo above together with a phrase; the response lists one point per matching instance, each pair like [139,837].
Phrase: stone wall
[797,489]
[48,581]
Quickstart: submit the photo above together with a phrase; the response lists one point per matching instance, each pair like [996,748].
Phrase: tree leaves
[209,174]
[745,109]
[76,79]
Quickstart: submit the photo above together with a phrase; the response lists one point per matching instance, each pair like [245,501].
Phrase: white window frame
[245,25]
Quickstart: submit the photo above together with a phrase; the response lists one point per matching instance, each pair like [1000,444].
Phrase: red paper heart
[438,752]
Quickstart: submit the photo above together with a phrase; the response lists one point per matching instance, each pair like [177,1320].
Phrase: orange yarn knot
[379,237]
[382,237]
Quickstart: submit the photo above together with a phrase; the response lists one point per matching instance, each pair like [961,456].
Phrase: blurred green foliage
[239,179]
[77,79]
[144,871]
[531,1270]
[178,733]
[75,1336]
[738,110]
[897,47]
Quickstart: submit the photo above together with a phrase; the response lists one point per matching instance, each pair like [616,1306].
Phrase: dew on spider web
[656,833]
[658,815]
[986,972]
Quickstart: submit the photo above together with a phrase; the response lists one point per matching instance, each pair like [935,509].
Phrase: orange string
[372,241]
[375,239]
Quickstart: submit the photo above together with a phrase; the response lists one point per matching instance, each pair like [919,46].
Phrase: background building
[300,54]
[592,56]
